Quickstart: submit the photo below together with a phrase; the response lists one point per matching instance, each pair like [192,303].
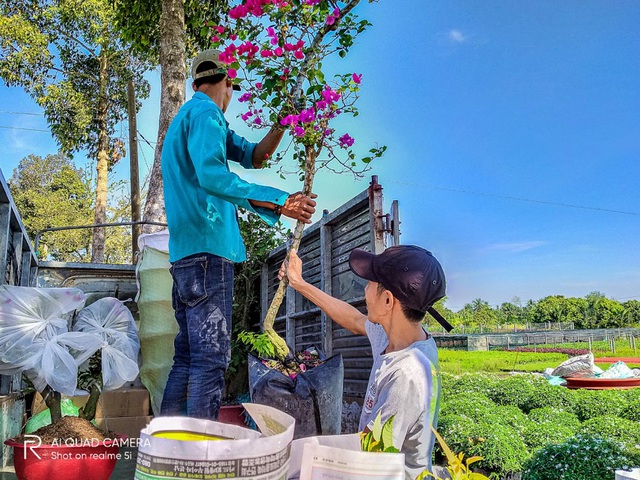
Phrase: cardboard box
[129,426]
[126,402]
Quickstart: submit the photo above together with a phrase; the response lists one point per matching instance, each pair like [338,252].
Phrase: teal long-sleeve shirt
[201,194]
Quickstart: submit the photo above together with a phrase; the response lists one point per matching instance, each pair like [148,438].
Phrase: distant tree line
[592,311]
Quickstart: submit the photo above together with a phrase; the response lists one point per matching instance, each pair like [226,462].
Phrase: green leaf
[377,427]
[387,432]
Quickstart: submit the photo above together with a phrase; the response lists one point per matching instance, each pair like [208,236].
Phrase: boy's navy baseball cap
[411,273]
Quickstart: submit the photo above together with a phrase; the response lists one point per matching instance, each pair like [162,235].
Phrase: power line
[521,199]
[24,128]
[21,113]
[145,140]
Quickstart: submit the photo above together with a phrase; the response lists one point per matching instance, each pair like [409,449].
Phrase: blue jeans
[202,298]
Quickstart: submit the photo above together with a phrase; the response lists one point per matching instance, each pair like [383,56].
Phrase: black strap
[435,314]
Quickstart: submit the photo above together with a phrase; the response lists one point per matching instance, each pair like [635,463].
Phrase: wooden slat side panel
[325,250]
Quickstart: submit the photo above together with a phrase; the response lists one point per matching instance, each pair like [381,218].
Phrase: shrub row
[511,422]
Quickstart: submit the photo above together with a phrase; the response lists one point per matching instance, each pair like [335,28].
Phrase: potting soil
[68,429]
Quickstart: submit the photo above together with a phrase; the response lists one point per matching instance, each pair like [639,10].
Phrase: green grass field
[459,361]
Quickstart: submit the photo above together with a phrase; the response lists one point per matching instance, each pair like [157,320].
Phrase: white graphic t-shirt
[405,384]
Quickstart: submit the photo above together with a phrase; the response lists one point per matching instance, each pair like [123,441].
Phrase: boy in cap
[201,200]
[403,284]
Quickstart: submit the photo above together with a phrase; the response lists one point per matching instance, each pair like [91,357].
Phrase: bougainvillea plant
[276,49]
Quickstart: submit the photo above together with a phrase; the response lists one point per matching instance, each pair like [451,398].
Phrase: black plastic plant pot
[313,398]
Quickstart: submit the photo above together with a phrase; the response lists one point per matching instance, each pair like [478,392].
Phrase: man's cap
[411,273]
[212,55]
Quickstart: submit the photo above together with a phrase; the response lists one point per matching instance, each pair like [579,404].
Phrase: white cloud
[456,36]
[514,247]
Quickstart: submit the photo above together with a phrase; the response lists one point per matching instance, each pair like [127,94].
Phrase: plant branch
[315,47]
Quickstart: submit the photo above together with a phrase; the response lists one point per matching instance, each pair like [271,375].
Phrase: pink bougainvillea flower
[308,115]
[238,12]
[290,120]
[215,39]
[289,47]
[257,121]
[278,51]
[345,140]
[266,53]
[226,57]
[321,104]
[245,116]
[356,78]
[271,33]
[298,131]
[233,37]
[258,85]
[219,29]
[298,54]
[311,2]
[232,73]
[245,97]
[330,95]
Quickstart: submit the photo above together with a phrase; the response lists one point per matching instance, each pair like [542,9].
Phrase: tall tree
[67,55]
[52,192]
[165,32]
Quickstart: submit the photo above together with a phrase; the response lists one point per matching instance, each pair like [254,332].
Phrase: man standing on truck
[403,284]
[201,200]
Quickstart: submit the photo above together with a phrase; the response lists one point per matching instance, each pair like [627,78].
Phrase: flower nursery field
[522,425]
[493,406]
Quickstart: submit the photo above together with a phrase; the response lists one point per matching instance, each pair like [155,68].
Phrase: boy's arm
[339,311]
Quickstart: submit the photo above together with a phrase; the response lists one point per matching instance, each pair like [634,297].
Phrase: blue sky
[513,135]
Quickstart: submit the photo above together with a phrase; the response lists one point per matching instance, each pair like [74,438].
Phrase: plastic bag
[578,365]
[313,398]
[109,320]
[55,361]
[553,380]
[618,370]
[29,315]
